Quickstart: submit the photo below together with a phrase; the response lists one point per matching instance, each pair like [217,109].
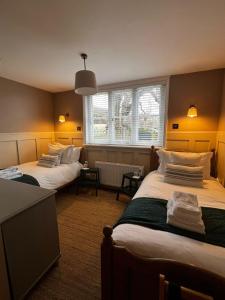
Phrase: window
[128,116]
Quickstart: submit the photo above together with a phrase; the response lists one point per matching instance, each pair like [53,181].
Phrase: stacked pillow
[60,154]
[69,153]
[184,175]
[49,161]
[187,159]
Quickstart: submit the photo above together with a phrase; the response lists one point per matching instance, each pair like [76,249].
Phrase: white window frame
[130,84]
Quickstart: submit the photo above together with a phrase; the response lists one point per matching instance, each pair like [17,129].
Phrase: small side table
[132,187]
[89,177]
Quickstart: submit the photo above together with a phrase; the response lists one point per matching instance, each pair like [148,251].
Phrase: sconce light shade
[192,111]
[85,83]
[62,118]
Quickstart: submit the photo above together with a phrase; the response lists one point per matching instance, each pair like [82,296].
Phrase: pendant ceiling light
[85,81]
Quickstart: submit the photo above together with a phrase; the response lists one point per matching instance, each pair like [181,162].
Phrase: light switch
[175,126]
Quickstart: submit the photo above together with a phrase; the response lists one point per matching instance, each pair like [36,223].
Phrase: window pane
[149,129]
[133,116]
[122,116]
[100,118]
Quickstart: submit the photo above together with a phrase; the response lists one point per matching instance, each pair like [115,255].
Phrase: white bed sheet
[147,242]
[52,178]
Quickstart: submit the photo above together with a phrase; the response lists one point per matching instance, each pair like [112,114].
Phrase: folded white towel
[185,197]
[182,209]
[9,170]
[185,217]
[198,227]
[183,212]
[12,175]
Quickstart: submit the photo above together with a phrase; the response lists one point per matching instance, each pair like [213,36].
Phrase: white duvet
[52,178]
[154,243]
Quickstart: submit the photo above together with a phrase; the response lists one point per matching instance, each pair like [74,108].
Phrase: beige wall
[221,126]
[221,139]
[68,102]
[203,89]
[24,108]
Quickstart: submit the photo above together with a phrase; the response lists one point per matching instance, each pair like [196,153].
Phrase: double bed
[127,248]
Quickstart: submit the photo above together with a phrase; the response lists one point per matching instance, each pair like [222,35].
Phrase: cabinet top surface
[16,197]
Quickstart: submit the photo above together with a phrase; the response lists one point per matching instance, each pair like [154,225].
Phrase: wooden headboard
[154,161]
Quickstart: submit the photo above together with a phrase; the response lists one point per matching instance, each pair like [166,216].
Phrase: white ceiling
[40,40]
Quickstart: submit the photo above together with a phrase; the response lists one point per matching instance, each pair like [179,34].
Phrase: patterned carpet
[81,219]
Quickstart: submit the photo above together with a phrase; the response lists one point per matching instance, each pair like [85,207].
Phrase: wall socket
[175,126]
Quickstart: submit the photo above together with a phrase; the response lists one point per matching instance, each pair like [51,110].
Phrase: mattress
[152,243]
[52,178]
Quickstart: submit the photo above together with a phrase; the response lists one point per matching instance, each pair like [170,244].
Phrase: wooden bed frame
[74,181]
[127,276]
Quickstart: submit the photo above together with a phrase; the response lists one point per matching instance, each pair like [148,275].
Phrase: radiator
[112,173]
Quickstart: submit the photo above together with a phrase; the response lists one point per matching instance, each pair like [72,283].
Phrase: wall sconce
[62,118]
[192,111]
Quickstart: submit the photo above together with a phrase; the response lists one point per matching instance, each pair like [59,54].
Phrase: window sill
[144,147]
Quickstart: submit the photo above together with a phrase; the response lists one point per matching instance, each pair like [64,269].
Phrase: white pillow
[205,162]
[67,156]
[69,153]
[76,154]
[184,175]
[178,181]
[185,158]
[54,149]
[49,161]
[195,159]
[164,159]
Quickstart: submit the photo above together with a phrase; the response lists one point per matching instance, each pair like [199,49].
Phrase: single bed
[52,178]
[128,246]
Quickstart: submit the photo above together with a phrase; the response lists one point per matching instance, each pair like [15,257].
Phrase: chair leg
[117,195]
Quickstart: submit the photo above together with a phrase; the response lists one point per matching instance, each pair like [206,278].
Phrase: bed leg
[107,263]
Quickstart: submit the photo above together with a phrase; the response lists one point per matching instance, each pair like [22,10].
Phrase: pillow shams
[54,149]
[164,158]
[76,153]
[185,158]
[184,175]
[49,161]
[205,162]
[69,153]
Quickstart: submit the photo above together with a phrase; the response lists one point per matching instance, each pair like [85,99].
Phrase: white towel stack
[183,212]
[10,173]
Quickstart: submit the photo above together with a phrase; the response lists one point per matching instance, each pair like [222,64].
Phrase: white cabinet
[29,242]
